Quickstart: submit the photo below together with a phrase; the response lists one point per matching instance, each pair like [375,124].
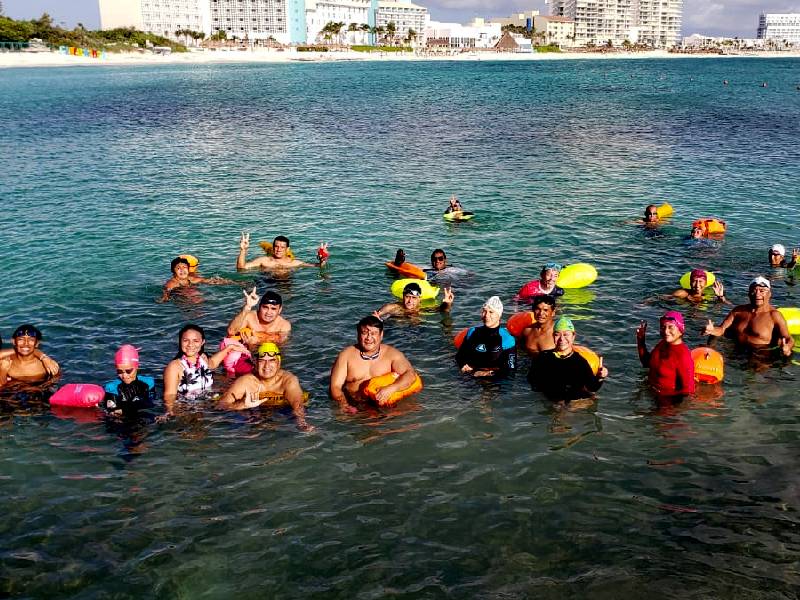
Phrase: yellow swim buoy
[792,316]
[685,281]
[428,291]
[576,276]
[192,260]
[664,211]
[267,248]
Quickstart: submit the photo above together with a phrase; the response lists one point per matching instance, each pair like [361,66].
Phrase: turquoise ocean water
[469,489]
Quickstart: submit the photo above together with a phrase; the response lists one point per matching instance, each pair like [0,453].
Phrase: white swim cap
[494,304]
[779,249]
[761,282]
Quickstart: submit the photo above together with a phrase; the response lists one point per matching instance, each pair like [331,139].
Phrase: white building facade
[556,30]
[406,17]
[653,22]
[161,17]
[463,37]
[780,27]
[319,13]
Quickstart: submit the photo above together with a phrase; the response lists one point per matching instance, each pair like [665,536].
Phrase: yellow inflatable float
[374,385]
[792,316]
[576,276]
[686,278]
[428,291]
[664,211]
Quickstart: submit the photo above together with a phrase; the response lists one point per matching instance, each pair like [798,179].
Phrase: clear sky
[712,17]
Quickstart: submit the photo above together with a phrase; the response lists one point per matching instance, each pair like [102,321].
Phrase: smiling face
[191,343]
[759,295]
[369,339]
[670,332]
[543,312]
[438,261]
[564,340]
[268,366]
[267,313]
[490,318]
[24,345]
[775,258]
[697,285]
[181,271]
[411,302]
[549,277]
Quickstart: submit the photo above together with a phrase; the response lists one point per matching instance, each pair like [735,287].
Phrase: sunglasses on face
[125,371]
[438,258]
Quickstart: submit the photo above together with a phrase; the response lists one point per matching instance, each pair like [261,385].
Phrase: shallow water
[468,489]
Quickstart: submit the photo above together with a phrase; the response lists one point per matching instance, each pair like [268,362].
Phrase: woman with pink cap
[129,393]
[670,363]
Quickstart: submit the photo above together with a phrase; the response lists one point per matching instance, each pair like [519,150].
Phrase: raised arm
[710,329]
[447,299]
[216,359]
[240,320]
[641,344]
[786,341]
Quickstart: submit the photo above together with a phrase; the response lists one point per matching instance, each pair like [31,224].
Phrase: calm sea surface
[470,489]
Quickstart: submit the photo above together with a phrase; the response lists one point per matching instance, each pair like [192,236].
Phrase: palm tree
[391,31]
[364,28]
[411,37]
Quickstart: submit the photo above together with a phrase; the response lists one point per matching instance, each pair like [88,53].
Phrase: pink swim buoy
[83,395]
[236,363]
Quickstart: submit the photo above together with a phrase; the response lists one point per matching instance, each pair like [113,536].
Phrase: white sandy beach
[55,59]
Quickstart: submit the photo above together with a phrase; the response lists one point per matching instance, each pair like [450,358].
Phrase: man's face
[181,271]
[24,345]
[267,313]
[268,366]
[670,332]
[411,301]
[651,214]
[697,232]
[127,373]
[759,295]
[279,249]
[564,340]
[543,312]
[549,277]
[490,318]
[438,261]
[698,284]
[369,338]
[775,258]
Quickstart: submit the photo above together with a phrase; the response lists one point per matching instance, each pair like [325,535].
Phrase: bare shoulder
[392,352]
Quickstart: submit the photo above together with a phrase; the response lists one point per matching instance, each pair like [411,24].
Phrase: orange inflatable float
[590,356]
[710,226]
[709,367]
[406,269]
[518,322]
[374,385]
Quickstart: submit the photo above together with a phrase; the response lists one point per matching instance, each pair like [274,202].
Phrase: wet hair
[177,261]
[543,299]
[370,321]
[27,330]
[281,238]
[191,327]
[438,251]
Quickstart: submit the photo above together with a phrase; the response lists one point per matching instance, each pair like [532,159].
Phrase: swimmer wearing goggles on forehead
[410,304]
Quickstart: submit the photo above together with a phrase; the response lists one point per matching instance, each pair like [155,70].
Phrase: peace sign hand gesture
[250,299]
[244,241]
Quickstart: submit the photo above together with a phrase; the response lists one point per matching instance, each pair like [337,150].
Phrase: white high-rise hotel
[653,22]
[780,27]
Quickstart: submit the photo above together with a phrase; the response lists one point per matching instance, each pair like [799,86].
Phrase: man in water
[777,257]
[697,284]
[440,271]
[268,382]
[489,349]
[756,325]
[265,324]
[562,373]
[368,358]
[182,277]
[454,206]
[279,260]
[651,215]
[538,336]
[24,362]
[545,285]
[409,305]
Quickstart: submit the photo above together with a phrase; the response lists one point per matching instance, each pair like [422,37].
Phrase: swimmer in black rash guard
[489,349]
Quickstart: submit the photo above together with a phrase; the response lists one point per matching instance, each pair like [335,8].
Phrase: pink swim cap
[126,355]
[675,317]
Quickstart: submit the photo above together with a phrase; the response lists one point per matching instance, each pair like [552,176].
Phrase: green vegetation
[114,40]
[548,48]
[381,48]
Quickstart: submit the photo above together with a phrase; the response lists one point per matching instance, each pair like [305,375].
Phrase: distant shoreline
[55,59]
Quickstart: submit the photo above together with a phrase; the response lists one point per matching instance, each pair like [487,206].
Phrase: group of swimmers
[559,369]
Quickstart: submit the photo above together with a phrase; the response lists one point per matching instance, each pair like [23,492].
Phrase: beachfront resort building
[524,19]
[556,30]
[450,37]
[781,27]
[407,17]
[161,17]
[349,12]
[656,23]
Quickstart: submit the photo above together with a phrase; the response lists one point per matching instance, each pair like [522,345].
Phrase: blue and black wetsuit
[485,348]
[130,398]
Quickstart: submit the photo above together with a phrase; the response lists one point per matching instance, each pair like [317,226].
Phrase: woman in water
[190,373]
[670,363]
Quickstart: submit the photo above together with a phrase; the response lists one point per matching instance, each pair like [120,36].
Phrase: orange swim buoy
[518,322]
[460,337]
[406,269]
[710,226]
[709,366]
[590,356]
[374,385]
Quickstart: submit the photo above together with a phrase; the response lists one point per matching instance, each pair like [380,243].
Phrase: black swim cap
[272,298]
[27,330]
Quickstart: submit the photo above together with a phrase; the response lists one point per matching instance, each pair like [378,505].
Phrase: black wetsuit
[485,348]
[559,378]
[130,398]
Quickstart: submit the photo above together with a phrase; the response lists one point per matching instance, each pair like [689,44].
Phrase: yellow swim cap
[268,349]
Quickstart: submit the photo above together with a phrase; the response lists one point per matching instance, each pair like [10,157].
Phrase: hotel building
[653,22]
[405,16]
[779,27]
